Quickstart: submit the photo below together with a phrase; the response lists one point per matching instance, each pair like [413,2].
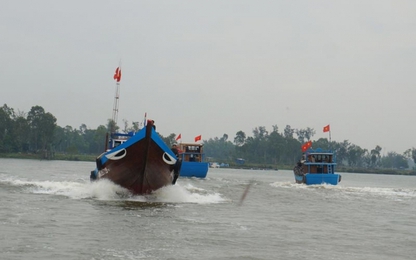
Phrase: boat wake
[187,194]
[395,193]
[108,191]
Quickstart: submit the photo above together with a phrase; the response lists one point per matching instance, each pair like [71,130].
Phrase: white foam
[107,190]
[373,191]
[187,194]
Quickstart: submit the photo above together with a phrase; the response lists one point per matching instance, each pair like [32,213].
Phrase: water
[50,210]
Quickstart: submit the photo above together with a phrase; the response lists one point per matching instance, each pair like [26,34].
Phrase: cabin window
[118,142]
[192,149]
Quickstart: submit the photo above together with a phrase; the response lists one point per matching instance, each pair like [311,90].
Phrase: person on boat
[179,149]
[175,149]
[178,164]
[298,170]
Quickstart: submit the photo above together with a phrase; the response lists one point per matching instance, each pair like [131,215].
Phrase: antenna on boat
[117,78]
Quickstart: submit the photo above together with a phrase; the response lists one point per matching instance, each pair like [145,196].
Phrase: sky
[218,67]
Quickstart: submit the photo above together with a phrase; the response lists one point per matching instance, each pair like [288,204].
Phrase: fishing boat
[193,160]
[138,161]
[317,167]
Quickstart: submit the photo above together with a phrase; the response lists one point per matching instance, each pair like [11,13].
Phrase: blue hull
[194,169]
[319,178]
[299,178]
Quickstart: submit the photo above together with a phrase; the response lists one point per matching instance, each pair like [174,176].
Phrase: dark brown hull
[144,164]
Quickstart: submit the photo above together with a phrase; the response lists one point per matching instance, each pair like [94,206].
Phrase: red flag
[197,138]
[179,137]
[326,128]
[306,146]
[117,74]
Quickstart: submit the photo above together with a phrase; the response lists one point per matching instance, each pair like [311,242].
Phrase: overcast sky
[218,67]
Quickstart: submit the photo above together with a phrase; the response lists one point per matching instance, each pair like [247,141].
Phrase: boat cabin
[319,161]
[191,152]
[117,139]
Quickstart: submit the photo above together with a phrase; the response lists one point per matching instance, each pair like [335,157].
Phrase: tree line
[37,132]
[284,148]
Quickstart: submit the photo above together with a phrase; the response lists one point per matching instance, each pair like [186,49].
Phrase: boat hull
[142,164]
[300,179]
[194,169]
[315,179]
[318,178]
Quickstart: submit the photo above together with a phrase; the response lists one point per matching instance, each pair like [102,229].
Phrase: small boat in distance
[140,162]
[214,165]
[193,160]
[317,167]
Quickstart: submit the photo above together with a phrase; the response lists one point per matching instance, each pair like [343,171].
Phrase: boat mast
[115,107]
[117,78]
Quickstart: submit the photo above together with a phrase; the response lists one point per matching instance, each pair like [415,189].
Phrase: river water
[50,210]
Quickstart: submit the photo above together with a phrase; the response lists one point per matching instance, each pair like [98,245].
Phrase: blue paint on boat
[317,167]
[194,169]
[321,178]
[193,160]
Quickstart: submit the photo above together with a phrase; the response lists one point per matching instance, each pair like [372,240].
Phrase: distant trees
[284,148]
[41,129]
[262,148]
[220,148]
[410,154]
[22,134]
[37,132]
[375,156]
[6,129]
[240,138]
[169,140]
[394,160]
[305,134]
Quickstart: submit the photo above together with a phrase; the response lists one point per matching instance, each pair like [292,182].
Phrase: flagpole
[328,129]
[330,144]
[115,107]
[330,136]
[117,77]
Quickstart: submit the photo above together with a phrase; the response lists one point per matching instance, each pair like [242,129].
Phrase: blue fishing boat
[193,160]
[317,167]
[140,162]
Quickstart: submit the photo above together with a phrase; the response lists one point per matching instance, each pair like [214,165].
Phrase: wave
[371,191]
[108,191]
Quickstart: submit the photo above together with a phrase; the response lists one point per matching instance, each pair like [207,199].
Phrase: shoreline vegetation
[37,132]
[91,158]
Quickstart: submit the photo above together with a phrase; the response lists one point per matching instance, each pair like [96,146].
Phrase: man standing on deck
[178,164]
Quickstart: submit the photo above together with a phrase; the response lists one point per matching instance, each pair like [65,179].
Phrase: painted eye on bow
[167,158]
[117,155]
